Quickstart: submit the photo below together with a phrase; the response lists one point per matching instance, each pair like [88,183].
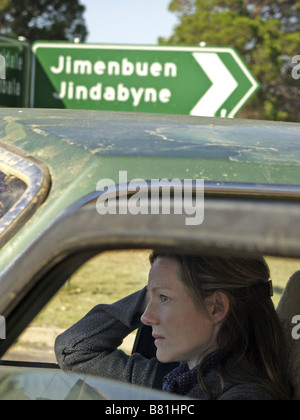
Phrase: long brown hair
[251,335]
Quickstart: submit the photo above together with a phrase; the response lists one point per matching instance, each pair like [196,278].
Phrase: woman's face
[182,332]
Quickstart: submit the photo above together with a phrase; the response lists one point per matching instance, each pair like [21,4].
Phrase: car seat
[288,308]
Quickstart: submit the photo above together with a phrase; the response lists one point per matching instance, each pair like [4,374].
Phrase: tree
[267,35]
[60,20]
[3,4]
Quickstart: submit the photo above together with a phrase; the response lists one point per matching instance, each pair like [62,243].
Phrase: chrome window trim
[212,189]
[249,190]
[38,181]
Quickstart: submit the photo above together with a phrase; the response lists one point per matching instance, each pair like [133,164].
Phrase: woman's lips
[158,338]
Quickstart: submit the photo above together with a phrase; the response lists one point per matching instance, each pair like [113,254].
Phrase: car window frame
[80,234]
[36,175]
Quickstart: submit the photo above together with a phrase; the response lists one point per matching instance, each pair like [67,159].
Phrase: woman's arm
[90,346]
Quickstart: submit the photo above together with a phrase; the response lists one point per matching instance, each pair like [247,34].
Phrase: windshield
[11,190]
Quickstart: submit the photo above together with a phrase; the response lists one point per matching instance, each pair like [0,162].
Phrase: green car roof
[79,148]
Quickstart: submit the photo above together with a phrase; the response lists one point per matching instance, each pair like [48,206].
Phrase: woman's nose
[150,317]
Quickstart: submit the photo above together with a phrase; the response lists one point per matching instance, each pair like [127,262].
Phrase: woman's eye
[164,299]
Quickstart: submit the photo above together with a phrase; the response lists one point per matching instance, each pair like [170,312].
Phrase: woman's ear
[219,306]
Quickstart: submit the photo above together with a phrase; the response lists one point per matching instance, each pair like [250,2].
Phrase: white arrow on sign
[223,86]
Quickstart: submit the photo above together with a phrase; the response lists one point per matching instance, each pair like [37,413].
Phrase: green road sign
[15,73]
[168,80]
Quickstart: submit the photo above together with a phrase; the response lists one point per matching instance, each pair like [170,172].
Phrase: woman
[213,315]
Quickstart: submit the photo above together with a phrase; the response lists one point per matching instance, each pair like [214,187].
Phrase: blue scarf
[181,380]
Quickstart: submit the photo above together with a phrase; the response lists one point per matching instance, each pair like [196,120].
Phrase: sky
[128,21]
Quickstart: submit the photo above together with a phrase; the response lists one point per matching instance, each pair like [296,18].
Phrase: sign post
[198,81]
[15,73]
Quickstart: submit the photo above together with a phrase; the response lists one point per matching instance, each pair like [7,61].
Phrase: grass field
[112,276]
[105,279]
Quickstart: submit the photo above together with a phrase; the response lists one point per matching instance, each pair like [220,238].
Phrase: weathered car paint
[81,147]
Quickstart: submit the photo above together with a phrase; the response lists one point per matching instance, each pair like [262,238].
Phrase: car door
[256,221]
[238,219]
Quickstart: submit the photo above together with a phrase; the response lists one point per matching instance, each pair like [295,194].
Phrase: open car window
[24,185]
[105,279]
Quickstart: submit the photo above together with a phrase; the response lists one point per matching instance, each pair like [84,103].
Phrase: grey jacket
[91,347]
